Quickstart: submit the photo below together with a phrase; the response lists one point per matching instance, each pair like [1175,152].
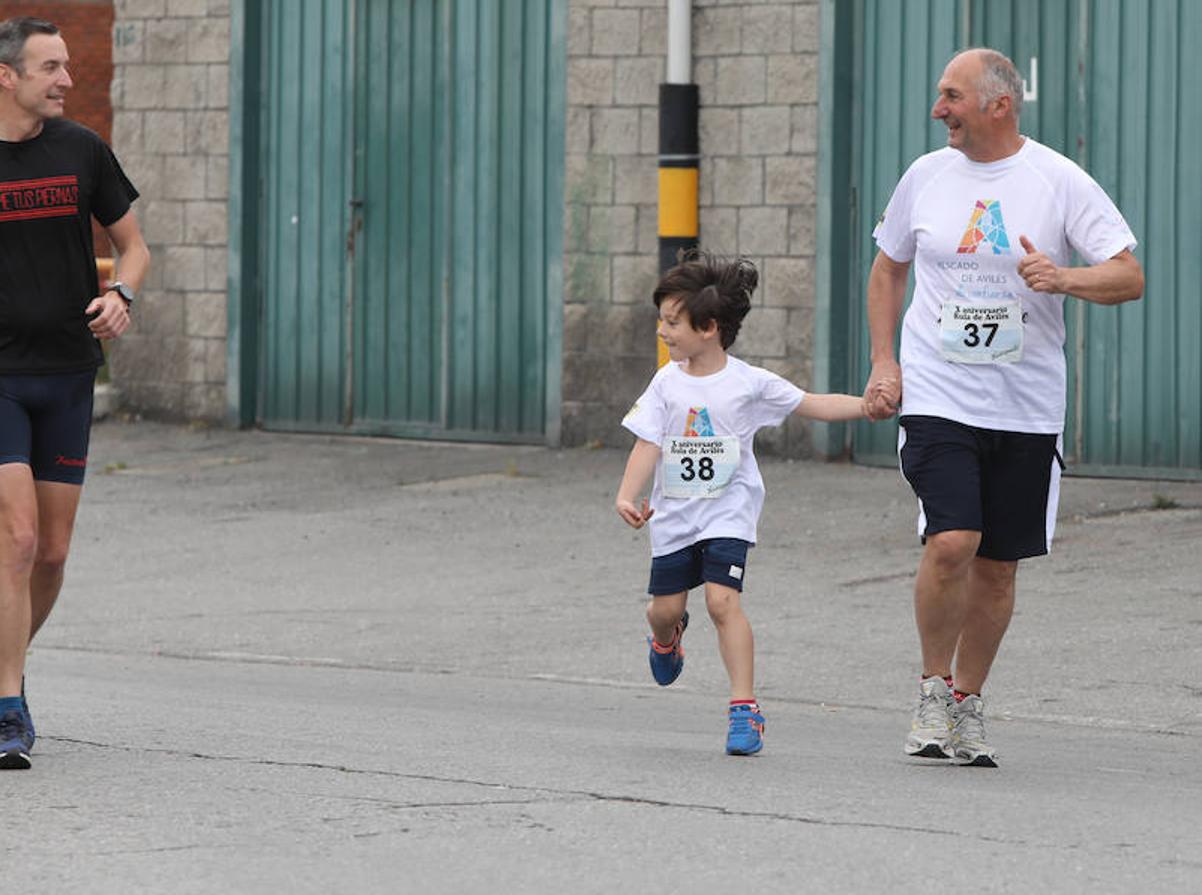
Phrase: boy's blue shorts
[717,560]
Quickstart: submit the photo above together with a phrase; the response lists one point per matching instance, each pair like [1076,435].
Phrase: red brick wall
[87,27]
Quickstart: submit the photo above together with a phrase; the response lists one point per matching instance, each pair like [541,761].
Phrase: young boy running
[695,424]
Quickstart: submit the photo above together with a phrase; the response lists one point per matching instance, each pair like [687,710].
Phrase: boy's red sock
[750,703]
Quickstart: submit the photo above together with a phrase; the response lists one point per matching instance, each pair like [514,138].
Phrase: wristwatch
[124,291]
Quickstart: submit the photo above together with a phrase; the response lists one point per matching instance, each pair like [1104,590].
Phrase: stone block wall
[616,60]
[170,95]
[756,65]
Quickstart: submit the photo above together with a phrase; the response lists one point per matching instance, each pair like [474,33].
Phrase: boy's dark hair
[13,35]
[710,287]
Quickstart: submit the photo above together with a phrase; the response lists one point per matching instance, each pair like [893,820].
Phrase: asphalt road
[308,664]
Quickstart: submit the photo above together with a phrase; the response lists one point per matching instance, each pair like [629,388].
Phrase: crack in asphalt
[546,795]
[195,846]
[394,803]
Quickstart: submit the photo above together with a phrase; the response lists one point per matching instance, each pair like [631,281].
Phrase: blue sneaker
[746,733]
[668,662]
[15,741]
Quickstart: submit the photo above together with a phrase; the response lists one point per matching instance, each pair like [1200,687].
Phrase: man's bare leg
[940,608]
[990,606]
[18,548]
[940,597]
[57,506]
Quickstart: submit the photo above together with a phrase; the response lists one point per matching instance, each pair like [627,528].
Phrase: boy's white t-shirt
[960,222]
[736,401]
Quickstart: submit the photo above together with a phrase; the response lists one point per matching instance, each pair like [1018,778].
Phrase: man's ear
[8,76]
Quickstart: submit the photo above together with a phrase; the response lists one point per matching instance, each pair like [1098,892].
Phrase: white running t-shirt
[959,221]
[735,402]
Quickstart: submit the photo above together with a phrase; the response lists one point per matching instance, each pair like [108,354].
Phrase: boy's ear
[711,330]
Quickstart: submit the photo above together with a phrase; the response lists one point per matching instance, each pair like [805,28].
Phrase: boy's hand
[632,515]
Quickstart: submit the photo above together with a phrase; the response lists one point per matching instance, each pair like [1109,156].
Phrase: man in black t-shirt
[55,176]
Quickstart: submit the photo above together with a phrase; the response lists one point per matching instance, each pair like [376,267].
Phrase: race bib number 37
[699,466]
[982,333]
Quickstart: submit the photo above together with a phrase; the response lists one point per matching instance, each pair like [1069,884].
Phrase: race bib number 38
[983,333]
[699,466]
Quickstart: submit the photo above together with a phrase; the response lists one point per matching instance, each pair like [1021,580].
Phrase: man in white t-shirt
[990,224]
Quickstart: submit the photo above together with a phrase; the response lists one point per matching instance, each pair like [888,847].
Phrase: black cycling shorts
[45,422]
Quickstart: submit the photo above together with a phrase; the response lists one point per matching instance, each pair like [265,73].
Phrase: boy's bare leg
[735,640]
[664,613]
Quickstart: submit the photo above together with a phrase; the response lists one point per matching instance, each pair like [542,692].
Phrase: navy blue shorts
[45,421]
[717,560]
[1006,485]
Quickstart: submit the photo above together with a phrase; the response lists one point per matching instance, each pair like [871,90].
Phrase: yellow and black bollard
[679,149]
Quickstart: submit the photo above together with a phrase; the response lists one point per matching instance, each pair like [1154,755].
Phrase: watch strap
[127,294]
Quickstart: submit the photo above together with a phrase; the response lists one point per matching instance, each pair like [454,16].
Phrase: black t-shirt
[50,187]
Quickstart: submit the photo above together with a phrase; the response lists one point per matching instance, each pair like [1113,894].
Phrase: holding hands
[882,395]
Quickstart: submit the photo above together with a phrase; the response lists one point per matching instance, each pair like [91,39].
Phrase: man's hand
[632,515]
[112,315]
[1038,271]
[882,395]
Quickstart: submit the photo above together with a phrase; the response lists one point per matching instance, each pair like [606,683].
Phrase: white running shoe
[969,746]
[931,729]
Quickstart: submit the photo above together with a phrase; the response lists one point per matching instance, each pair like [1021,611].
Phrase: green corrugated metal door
[1140,400]
[445,250]
[1110,85]
[306,145]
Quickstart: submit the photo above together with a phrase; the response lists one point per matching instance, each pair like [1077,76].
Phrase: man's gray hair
[13,35]
[999,78]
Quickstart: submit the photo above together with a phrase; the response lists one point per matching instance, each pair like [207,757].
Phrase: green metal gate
[410,237]
[1111,84]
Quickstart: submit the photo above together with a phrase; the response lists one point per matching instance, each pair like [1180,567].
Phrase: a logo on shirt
[985,226]
[698,423]
[45,197]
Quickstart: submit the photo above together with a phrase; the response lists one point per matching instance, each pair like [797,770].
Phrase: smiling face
[676,329]
[984,132]
[40,89]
